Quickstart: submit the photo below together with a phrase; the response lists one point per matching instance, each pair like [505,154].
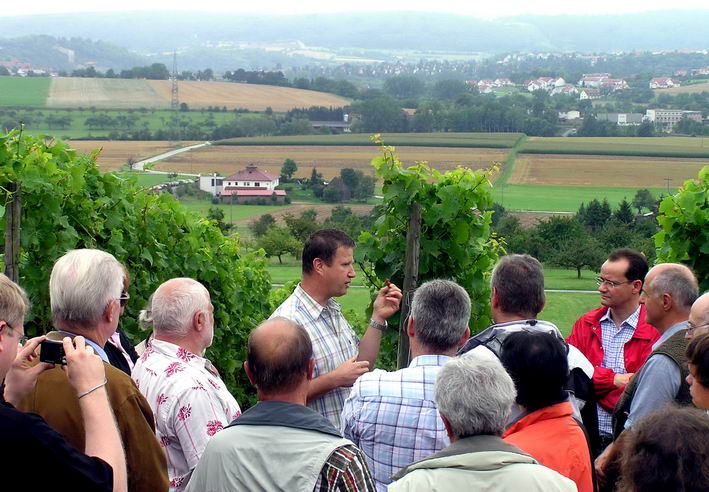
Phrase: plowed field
[115,154]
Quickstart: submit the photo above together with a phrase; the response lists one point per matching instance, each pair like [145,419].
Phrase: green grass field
[231,212]
[24,91]
[650,146]
[475,140]
[145,179]
[560,198]
[152,119]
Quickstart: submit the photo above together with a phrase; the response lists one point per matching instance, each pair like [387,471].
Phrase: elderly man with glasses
[698,323]
[615,338]
[85,292]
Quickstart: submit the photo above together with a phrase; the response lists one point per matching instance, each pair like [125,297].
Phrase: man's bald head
[674,279]
[699,315]
[279,353]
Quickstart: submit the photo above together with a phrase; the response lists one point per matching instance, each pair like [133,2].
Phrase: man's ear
[494,301]
[247,370]
[198,320]
[108,311]
[667,301]
[637,286]
[410,330]
[318,264]
[311,368]
[465,338]
[447,425]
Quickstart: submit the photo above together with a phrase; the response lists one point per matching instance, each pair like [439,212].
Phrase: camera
[52,349]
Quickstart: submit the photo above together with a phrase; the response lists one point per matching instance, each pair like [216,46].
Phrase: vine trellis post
[411,273]
[13,214]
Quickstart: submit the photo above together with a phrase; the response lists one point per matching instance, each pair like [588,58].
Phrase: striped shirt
[345,471]
[613,340]
[334,342]
[392,418]
[189,401]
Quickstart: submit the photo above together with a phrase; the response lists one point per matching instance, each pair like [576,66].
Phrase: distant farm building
[247,185]
[622,119]
[666,119]
[663,83]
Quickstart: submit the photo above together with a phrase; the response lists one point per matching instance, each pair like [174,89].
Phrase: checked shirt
[334,342]
[613,340]
[392,418]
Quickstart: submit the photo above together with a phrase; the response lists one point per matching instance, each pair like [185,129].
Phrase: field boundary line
[510,161]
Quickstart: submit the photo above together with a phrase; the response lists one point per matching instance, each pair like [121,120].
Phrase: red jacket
[586,336]
[552,437]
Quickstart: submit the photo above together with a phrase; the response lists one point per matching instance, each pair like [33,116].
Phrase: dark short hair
[519,282]
[284,364]
[323,244]
[637,265]
[698,356]
[538,364]
[667,450]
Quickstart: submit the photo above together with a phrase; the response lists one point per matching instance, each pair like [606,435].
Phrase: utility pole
[175,102]
[668,184]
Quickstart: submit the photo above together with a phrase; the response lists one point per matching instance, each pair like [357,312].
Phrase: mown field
[624,146]
[603,171]
[72,92]
[114,155]
[24,91]
[328,160]
[485,140]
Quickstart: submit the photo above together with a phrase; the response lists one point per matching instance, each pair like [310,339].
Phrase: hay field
[115,154]
[603,171]
[72,92]
[685,89]
[250,96]
[328,160]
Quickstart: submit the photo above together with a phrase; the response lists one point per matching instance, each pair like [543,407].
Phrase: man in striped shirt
[391,416]
[340,357]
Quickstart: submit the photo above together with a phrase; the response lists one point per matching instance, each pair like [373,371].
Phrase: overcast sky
[487,9]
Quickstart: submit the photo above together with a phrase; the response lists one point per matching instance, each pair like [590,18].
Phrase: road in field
[139,166]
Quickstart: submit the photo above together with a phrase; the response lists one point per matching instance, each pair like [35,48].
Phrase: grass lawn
[291,270]
[563,308]
[560,198]
[147,180]
[560,278]
[24,91]
[231,212]
[491,140]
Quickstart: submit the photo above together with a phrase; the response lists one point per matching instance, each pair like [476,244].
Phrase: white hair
[82,283]
[175,302]
[475,394]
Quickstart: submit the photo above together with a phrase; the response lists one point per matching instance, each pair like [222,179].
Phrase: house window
[219,182]
[256,184]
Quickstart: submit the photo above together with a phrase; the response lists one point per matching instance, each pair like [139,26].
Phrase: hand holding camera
[84,368]
[24,372]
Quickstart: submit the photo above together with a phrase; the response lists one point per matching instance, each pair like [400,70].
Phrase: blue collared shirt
[99,350]
[659,381]
[392,418]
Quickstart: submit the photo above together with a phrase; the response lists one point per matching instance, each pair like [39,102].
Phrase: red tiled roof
[251,173]
[252,192]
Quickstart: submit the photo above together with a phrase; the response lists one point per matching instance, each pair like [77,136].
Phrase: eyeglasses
[22,340]
[691,328]
[610,283]
[123,299]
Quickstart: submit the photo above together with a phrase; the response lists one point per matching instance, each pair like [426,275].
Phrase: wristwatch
[378,326]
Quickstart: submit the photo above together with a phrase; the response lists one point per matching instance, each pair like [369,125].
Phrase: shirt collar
[313,307]
[175,351]
[429,360]
[97,348]
[673,329]
[632,320]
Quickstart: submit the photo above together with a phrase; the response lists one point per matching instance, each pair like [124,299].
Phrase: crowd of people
[620,404]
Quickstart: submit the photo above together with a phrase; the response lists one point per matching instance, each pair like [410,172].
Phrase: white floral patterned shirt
[190,403]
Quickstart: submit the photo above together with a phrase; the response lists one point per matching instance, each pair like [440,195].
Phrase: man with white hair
[474,395]
[85,291]
[189,400]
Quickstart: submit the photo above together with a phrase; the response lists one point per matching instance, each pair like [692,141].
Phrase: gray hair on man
[475,395]
[174,304]
[441,311]
[81,285]
[678,281]
[519,282]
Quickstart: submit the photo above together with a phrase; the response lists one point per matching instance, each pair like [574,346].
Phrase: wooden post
[13,213]
[411,273]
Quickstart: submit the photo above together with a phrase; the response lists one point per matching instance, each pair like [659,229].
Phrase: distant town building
[248,184]
[564,89]
[622,119]
[589,94]
[569,115]
[666,119]
[663,83]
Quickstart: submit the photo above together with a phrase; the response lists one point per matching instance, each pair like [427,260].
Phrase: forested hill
[156,31]
[66,53]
